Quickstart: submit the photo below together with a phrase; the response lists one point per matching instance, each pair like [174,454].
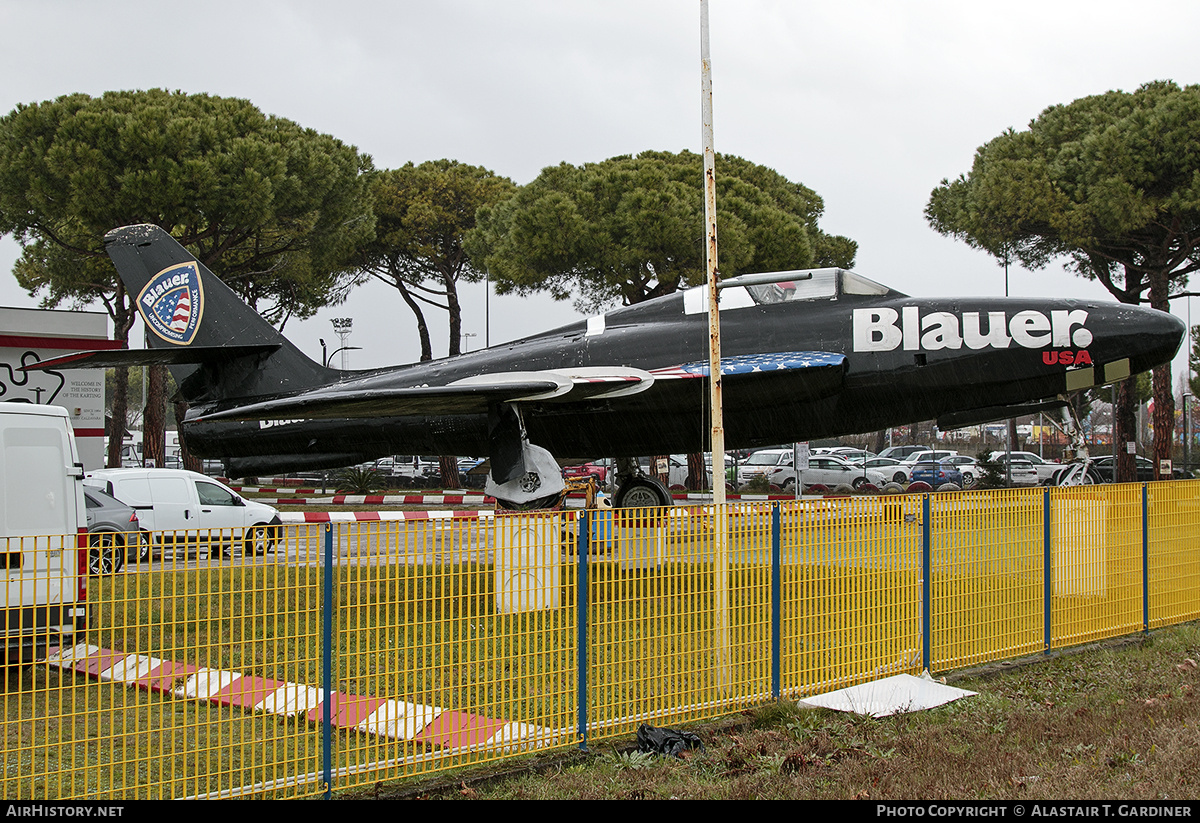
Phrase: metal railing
[355,653]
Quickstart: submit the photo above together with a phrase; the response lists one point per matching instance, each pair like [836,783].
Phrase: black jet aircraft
[805,354]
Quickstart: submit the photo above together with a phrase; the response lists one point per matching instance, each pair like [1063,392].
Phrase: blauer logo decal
[173,302]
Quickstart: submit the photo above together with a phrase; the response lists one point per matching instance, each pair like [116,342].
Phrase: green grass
[1119,723]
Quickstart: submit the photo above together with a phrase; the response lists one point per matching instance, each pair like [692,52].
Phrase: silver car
[113,530]
[1044,468]
[828,470]
[1023,472]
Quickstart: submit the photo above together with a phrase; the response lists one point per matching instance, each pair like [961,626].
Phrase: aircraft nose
[1150,337]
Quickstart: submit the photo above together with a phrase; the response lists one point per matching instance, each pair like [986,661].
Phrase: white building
[32,335]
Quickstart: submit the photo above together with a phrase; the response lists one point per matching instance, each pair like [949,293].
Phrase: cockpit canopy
[783,287]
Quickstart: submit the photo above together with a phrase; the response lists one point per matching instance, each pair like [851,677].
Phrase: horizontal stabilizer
[117,358]
[991,414]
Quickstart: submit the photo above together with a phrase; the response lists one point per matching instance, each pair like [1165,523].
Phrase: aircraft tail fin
[184,304]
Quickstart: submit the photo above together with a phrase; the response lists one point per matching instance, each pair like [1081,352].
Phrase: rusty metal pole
[720,524]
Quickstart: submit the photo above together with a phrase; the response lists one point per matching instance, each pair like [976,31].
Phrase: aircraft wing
[820,373]
[185,355]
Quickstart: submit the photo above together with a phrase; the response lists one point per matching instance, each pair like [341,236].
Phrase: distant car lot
[183,506]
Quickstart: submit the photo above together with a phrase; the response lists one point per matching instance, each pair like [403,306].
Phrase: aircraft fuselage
[907,359]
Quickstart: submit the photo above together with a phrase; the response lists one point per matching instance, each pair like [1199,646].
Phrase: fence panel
[986,559]
[181,686]
[676,633]
[1096,562]
[455,643]
[851,589]
[1174,551]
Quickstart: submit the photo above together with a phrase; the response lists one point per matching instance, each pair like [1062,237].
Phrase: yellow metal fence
[353,653]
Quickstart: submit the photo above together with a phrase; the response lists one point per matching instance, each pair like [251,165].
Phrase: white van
[43,531]
[182,507]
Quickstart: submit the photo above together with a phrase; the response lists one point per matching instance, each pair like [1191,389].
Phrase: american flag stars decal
[172,303]
[749,363]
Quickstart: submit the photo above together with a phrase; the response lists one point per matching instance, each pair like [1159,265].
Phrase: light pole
[341,349]
[466,336]
[1187,431]
[1010,427]
[724,639]
[342,326]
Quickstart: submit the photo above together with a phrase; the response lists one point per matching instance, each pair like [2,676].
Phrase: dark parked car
[1103,467]
[112,530]
[935,474]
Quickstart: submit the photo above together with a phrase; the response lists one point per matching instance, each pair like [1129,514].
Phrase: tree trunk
[455,311]
[1163,420]
[1126,430]
[1164,399]
[123,317]
[697,476]
[119,418]
[422,326]
[154,419]
[187,460]
[448,465]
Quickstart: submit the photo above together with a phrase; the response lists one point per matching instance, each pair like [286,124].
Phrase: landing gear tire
[642,492]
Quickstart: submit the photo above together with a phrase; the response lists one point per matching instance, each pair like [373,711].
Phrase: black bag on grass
[670,742]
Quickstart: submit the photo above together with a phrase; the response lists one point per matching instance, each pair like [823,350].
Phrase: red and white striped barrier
[446,498]
[271,489]
[398,719]
[300,517]
[573,500]
[356,517]
[382,500]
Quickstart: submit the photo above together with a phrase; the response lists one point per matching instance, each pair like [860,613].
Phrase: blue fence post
[581,627]
[1047,573]
[327,666]
[1145,560]
[926,588]
[776,603]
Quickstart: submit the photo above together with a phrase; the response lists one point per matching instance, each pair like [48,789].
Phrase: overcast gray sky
[869,103]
